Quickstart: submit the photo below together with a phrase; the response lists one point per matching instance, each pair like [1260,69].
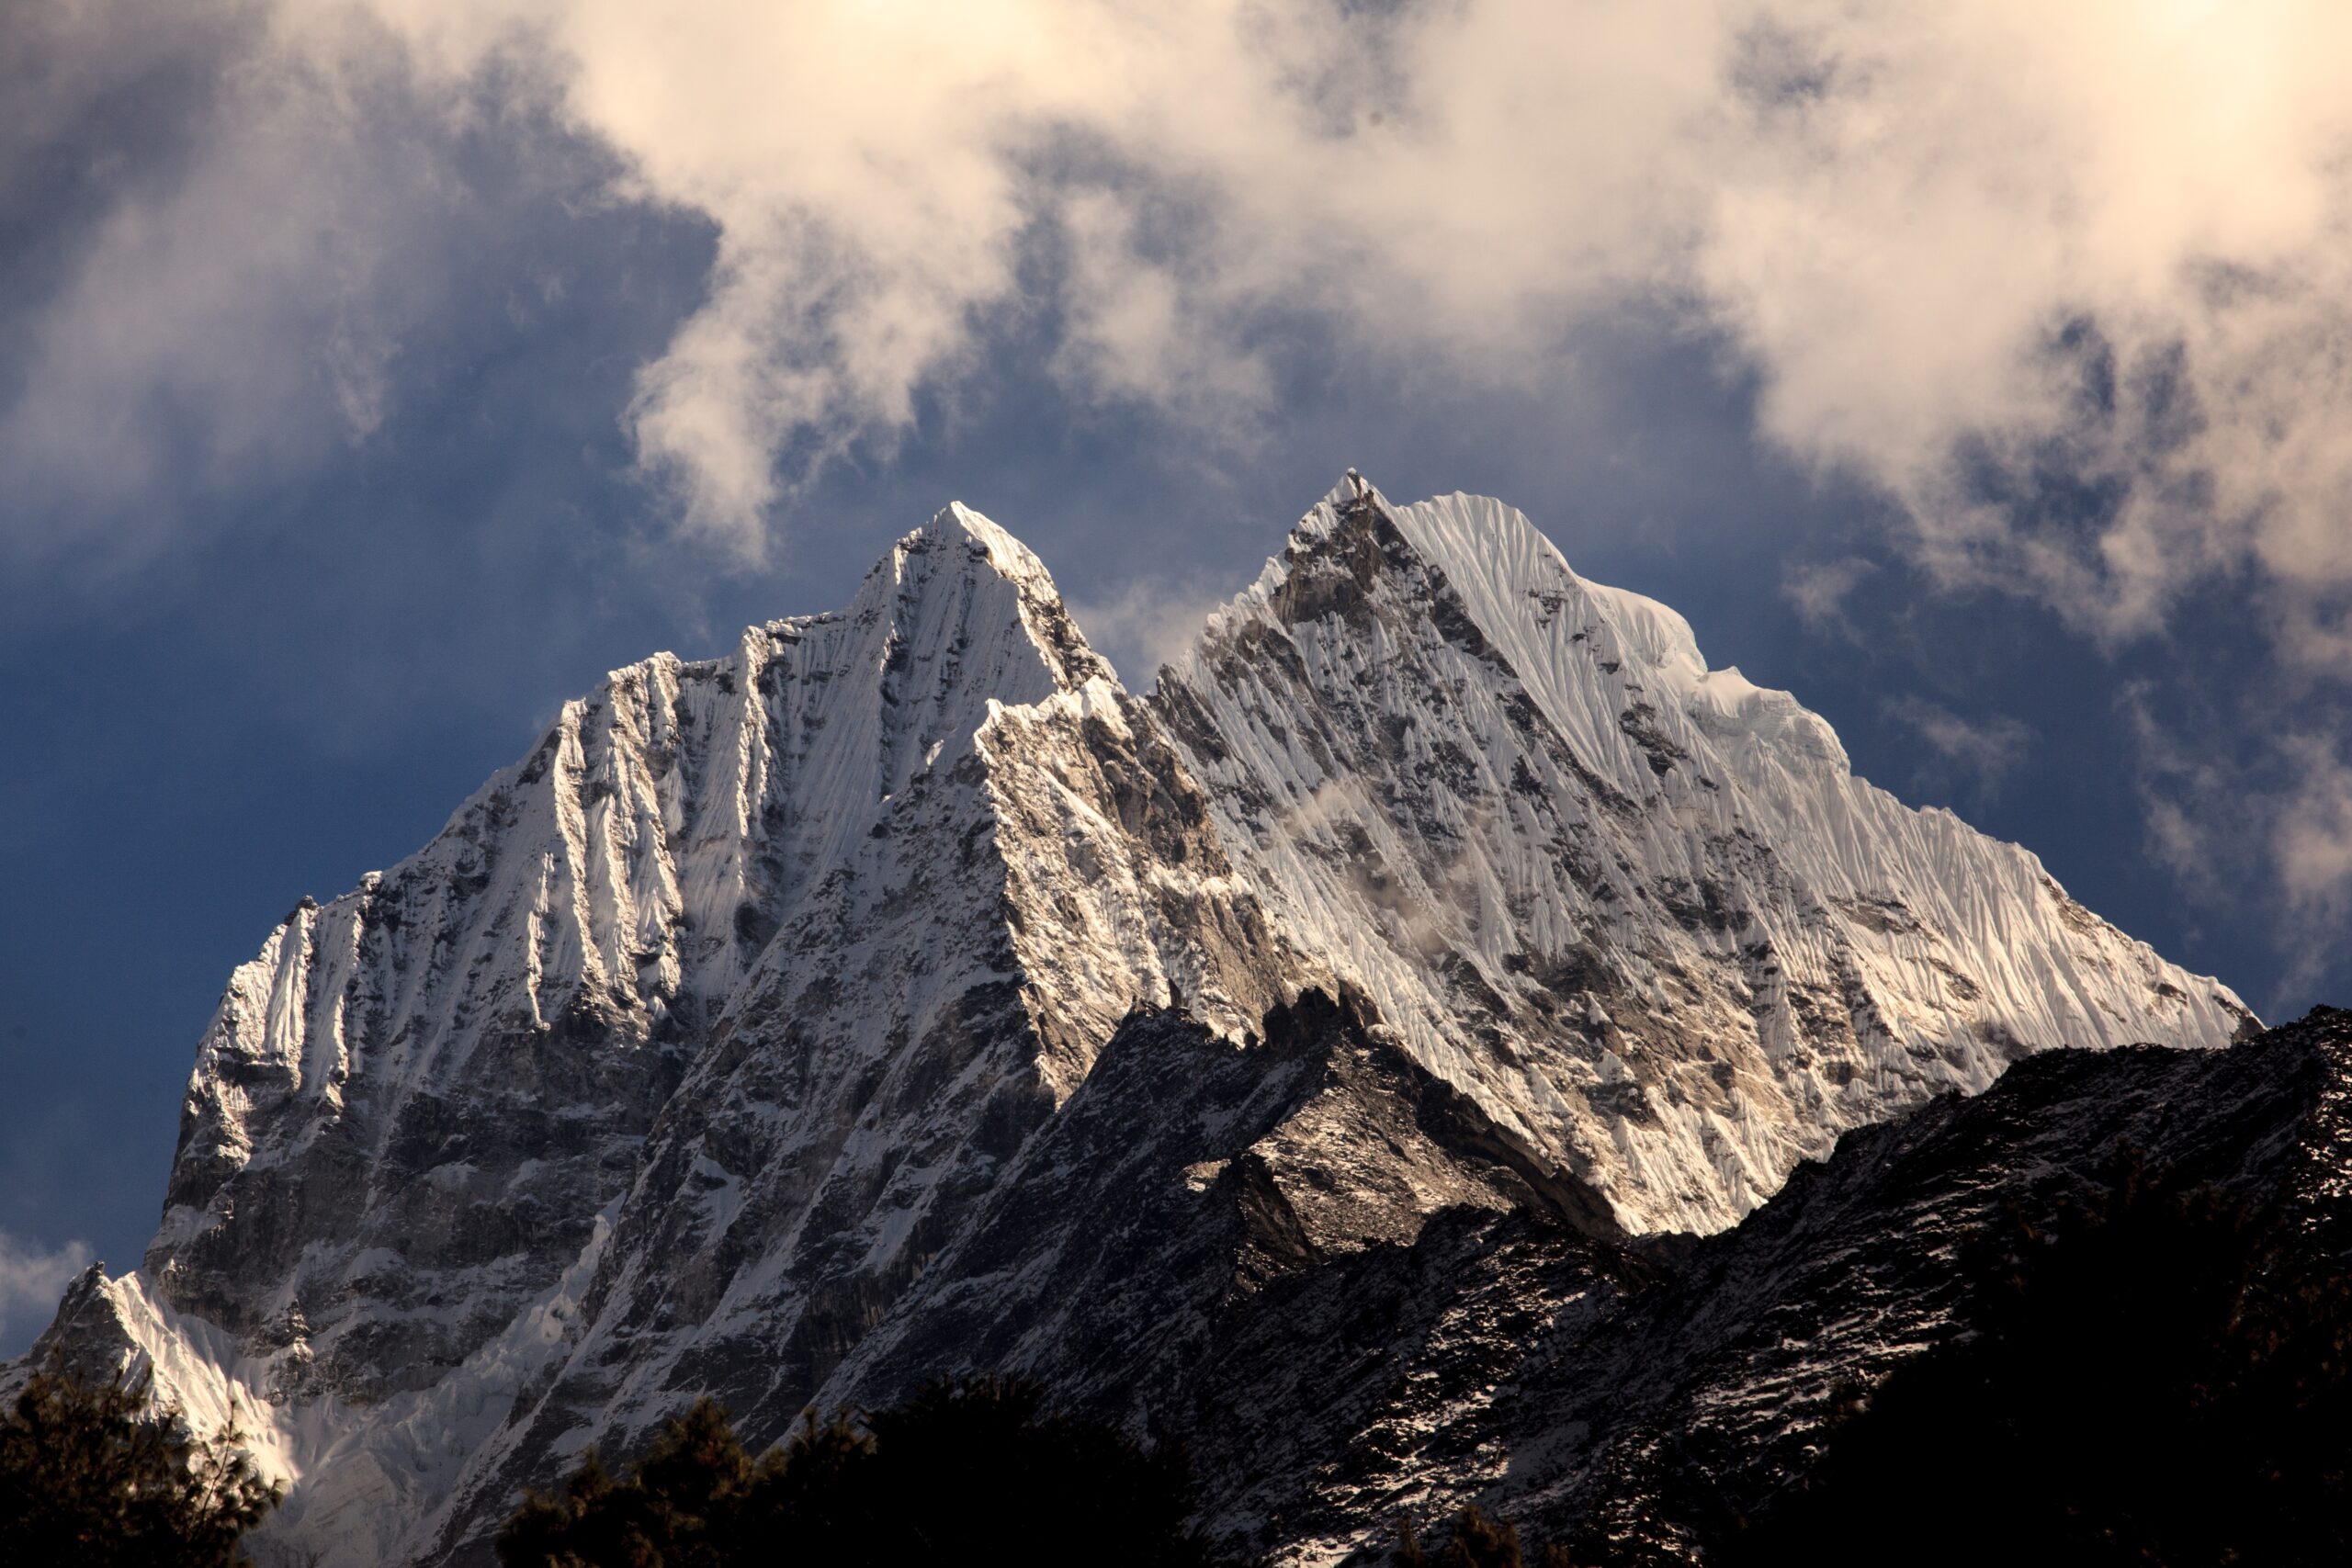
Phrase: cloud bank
[2071,285]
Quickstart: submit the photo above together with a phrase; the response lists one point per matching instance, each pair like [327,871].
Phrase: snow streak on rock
[664,1068]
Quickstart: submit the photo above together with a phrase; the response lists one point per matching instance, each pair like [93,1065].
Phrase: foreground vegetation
[98,1474]
[966,1472]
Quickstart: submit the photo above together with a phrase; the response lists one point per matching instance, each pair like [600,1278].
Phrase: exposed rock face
[745,1038]
[670,1062]
[1186,1177]
[1225,1246]
[1723,1373]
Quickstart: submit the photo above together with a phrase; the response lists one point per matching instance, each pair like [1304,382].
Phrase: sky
[376,373]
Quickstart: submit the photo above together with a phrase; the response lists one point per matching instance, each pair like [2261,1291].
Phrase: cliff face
[723,1043]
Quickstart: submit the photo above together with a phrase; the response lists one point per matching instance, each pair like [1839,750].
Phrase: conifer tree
[977,1470]
[99,1474]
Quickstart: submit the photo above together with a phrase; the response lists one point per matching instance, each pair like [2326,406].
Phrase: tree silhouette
[972,1471]
[100,1475]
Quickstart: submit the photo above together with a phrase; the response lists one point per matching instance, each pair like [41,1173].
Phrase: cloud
[31,1281]
[1146,622]
[220,324]
[2203,806]
[1818,591]
[1982,751]
[2312,846]
[243,232]
[2071,285]
[1134,327]
[2252,810]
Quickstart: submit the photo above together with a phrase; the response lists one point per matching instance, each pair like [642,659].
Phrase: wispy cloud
[216,326]
[2252,812]
[31,1281]
[1146,622]
[2204,810]
[1818,591]
[1980,752]
[2312,846]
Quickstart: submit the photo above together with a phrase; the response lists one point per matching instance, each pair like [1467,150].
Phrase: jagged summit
[1006,554]
[680,1056]
[1495,562]
[623,878]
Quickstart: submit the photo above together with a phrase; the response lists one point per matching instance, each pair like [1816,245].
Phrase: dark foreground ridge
[1333,1280]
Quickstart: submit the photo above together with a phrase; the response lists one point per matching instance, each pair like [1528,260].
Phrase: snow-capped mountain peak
[1642,909]
[674,1062]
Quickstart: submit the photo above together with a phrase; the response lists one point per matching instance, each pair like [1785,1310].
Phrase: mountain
[723,1043]
[1642,911]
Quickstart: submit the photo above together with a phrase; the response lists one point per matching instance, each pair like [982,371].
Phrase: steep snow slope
[909,1029]
[1642,909]
[674,1063]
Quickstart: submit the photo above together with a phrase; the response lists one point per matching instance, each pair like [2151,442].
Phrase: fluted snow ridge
[695,1031]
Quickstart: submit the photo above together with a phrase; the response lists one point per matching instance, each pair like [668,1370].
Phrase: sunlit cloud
[2071,285]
